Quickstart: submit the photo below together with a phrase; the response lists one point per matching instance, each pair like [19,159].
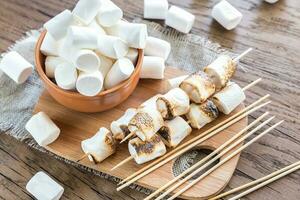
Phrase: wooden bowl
[75,101]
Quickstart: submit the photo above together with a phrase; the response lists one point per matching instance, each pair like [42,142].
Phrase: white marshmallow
[227,15]
[43,187]
[94,25]
[89,84]
[83,37]
[16,67]
[120,71]
[106,64]
[112,46]
[153,67]
[133,33]
[65,76]
[180,19]
[271,1]
[175,82]
[157,47]
[155,9]
[58,25]
[51,63]
[132,55]
[109,14]
[49,47]
[86,10]
[42,129]
[86,60]
[66,49]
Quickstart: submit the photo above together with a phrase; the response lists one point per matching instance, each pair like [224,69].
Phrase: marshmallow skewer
[175,82]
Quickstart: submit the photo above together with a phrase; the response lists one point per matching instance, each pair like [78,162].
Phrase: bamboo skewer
[127,137]
[260,180]
[242,55]
[86,156]
[251,84]
[211,155]
[123,162]
[266,182]
[192,143]
[223,161]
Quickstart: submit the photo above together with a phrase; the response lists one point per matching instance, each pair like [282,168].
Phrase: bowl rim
[44,77]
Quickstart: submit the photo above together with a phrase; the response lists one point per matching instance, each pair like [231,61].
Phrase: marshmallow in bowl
[16,67]
[157,47]
[155,9]
[94,25]
[83,37]
[180,19]
[58,25]
[109,13]
[42,129]
[86,60]
[106,64]
[132,55]
[89,83]
[153,67]
[112,46]
[65,76]
[51,63]
[134,34]
[120,71]
[50,47]
[86,10]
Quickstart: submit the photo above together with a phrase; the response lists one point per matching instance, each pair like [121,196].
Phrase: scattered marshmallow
[180,19]
[65,76]
[94,25]
[109,13]
[16,67]
[86,60]
[50,47]
[43,187]
[175,82]
[112,46]
[120,71]
[106,64]
[153,67]
[42,129]
[86,10]
[83,37]
[132,55]
[155,9]
[89,84]
[157,47]
[51,63]
[227,15]
[58,25]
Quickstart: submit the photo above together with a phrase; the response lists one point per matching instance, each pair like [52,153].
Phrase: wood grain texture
[274,32]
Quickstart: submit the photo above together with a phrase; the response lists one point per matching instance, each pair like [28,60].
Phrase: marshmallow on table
[155,9]
[43,187]
[134,34]
[120,71]
[109,14]
[16,67]
[86,10]
[89,83]
[157,47]
[132,55]
[180,19]
[51,63]
[83,37]
[175,82]
[87,60]
[65,76]
[94,25]
[58,25]
[50,47]
[112,46]
[153,67]
[106,64]
[42,129]
[227,15]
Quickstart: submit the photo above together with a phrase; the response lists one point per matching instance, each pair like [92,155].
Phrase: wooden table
[274,32]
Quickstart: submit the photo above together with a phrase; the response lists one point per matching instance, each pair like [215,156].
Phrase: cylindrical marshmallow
[86,60]
[95,26]
[227,15]
[83,37]
[271,1]
[112,46]
[120,71]
[65,76]
[133,33]
[153,67]
[16,67]
[175,82]
[155,9]
[89,84]
[50,47]
[109,14]
[157,47]
[86,10]
[42,129]
[51,63]
[180,19]
[132,55]
[58,25]
[43,187]
[106,64]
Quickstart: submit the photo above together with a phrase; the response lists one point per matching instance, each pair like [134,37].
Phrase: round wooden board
[76,126]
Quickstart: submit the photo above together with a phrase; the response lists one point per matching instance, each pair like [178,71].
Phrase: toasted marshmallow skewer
[65,76]
[89,83]
[201,114]
[109,13]
[86,60]
[112,46]
[157,47]
[50,46]
[100,146]
[198,86]
[174,131]
[119,128]
[132,55]
[175,82]
[145,151]
[83,37]
[153,67]
[51,63]
[86,10]
[174,103]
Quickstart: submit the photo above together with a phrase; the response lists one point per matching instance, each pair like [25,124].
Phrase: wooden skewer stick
[127,137]
[122,163]
[242,55]
[195,139]
[223,161]
[82,157]
[211,155]
[266,182]
[191,143]
[260,180]
[251,84]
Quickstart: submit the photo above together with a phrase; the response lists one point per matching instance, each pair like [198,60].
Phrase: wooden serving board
[76,126]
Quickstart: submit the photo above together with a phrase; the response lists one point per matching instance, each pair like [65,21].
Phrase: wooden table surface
[274,32]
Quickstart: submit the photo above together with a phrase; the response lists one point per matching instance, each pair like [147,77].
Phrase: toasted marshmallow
[150,103]
[132,55]
[89,83]
[86,10]
[86,60]
[50,47]
[83,37]
[109,14]
[157,47]
[153,67]
[51,63]
[65,76]
[180,19]
[155,9]
[112,46]
[175,82]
